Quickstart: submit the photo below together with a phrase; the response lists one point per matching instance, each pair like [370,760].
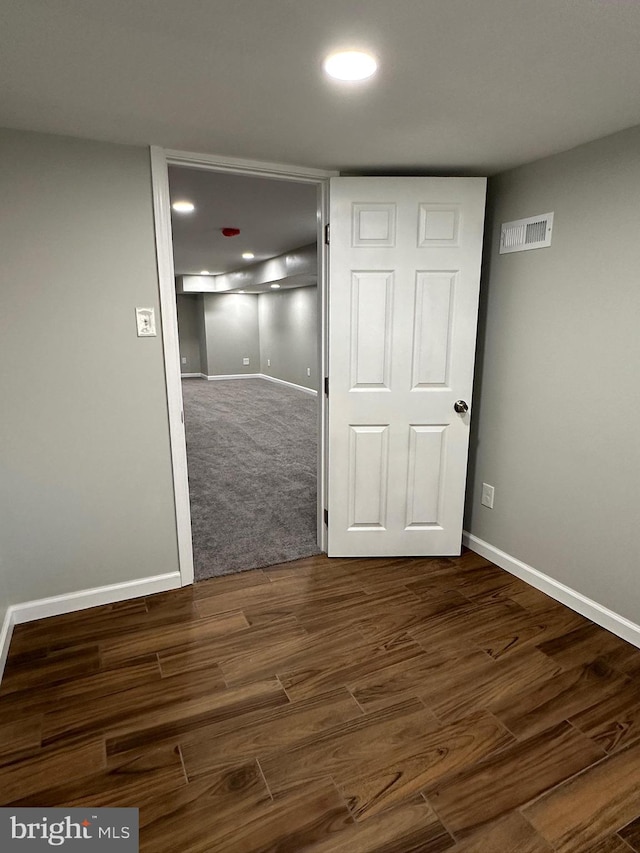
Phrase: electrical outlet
[487,495]
[184,360]
[308,371]
[245,361]
[268,362]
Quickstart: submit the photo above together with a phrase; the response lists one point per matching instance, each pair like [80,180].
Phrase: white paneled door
[404,276]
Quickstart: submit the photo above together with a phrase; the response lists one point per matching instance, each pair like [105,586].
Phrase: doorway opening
[250,334]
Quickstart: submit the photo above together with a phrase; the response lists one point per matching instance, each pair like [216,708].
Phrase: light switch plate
[146,322]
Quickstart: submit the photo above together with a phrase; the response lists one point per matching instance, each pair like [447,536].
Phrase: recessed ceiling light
[248,256]
[183,206]
[204,272]
[350,65]
[275,286]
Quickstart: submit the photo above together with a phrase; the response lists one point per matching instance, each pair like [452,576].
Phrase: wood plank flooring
[335,706]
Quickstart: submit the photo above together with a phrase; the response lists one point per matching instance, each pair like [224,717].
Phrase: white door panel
[404,277]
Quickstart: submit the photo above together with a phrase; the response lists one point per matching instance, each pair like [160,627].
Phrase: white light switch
[146,322]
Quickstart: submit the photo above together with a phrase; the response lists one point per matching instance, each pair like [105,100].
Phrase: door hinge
[326,385]
[326,234]
[182,416]
[326,517]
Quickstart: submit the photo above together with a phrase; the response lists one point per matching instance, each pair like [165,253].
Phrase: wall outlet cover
[245,361]
[488,493]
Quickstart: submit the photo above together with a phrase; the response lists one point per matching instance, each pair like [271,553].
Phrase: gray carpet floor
[251,451]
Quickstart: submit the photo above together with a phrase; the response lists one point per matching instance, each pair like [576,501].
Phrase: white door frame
[160,160]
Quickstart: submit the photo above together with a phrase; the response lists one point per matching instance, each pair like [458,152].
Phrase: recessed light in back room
[183,206]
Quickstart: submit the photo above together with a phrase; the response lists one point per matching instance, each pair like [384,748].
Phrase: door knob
[461,407]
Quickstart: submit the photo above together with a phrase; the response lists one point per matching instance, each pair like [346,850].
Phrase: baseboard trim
[221,376]
[5,638]
[290,384]
[56,605]
[254,376]
[598,613]
[190,375]
[85,598]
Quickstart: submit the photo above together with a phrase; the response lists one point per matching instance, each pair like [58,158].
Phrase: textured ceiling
[465,86]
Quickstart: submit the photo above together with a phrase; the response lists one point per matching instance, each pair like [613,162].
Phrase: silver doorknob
[461,407]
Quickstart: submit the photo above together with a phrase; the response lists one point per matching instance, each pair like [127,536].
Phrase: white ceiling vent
[523,234]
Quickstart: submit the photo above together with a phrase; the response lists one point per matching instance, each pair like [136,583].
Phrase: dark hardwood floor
[334,705]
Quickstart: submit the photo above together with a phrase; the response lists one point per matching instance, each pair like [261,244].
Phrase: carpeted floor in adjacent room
[251,449]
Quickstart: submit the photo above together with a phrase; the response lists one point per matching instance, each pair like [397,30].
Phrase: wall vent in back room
[523,234]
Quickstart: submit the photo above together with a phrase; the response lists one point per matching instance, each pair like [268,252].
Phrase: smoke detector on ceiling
[522,234]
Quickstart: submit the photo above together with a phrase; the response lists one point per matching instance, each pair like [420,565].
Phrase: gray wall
[289,335]
[231,328]
[281,327]
[202,338]
[557,405]
[86,495]
[190,309]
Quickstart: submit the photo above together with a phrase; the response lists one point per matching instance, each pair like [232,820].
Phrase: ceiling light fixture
[275,286]
[248,256]
[350,65]
[204,272]
[183,206]
[241,291]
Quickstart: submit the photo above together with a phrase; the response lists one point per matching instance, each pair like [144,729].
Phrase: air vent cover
[523,234]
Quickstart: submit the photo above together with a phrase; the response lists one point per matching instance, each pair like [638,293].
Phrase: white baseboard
[84,598]
[40,608]
[290,384]
[5,638]
[232,376]
[598,613]
[191,375]
[255,376]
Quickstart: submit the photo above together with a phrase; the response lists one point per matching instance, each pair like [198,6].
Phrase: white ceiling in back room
[272,216]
